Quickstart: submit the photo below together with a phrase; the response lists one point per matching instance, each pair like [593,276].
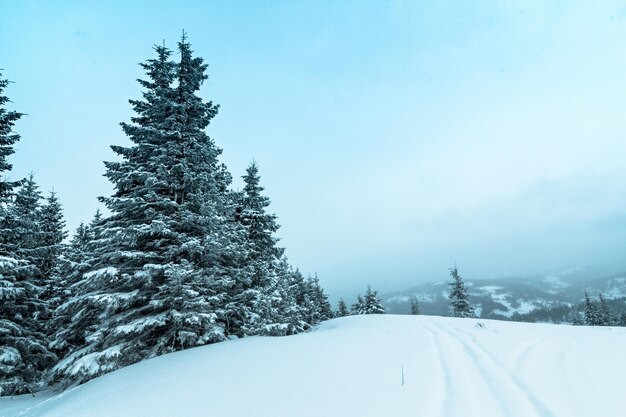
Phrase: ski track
[477,351]
[484,378]
[439,405]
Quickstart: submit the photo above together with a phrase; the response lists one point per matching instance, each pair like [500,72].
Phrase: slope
[353,367]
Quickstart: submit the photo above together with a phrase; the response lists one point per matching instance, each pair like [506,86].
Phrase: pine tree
[260,300]
[622,319]
[8,138]
[342,309]
[251,212]
[459,299]
[52,228]
[77,259]
[358,307]
[369,304]
[415,309]
[28,227]
[575,318]
[318,308]
[24,356]
[605,317]
[592,315]
[167,258]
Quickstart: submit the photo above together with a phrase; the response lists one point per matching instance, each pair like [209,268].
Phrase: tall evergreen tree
[459,299]
[52,229]
[260,300]
[24,355]
[8,138]
[168,255]
[28,234]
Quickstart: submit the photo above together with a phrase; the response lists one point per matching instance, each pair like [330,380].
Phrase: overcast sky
[394,138]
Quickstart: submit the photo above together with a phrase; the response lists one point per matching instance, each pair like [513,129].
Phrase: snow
[107,271]
[9,355]
[353,367]
[490,289]
[555,281]
[420,297]
[503,298]
[6,262]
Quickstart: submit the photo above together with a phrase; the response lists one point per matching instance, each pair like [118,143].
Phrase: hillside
[522,298]
[353,367]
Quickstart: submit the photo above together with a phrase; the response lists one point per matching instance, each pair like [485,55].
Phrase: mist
[394,139]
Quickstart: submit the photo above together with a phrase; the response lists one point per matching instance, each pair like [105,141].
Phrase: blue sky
[394,138]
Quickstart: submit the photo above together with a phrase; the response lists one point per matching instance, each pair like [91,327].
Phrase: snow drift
[355,366]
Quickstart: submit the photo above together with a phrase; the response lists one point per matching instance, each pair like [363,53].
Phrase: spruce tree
[8,138]
[166,259]
[342,309]
[52,229]
[575,318]
[622,319]
[261,226]
[369,304]
[316,304]
[415,309]
[358,307]
[28,234]
[24,356]
[605,316]
[592,314]
[459,299]
[261,301]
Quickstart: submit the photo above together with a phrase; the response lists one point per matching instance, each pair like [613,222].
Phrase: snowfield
[354,366]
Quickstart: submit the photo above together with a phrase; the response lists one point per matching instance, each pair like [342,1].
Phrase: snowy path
[353,367]
[474,379]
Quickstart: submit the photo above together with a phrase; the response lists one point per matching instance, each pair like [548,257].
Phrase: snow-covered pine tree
[415,308]
[342,309]
[259,300]
[622,319]
[575,318]
[459,299]
[51,246]
[8,138]
[358,307]
[317,307]
[266,305]
[592,315]
[28,234]
[260,225]
[605,316]
[24,355]
[369,304]
[166,258]
[76,260]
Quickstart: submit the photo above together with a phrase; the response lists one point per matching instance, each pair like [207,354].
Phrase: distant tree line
[182,260]
[368,304]
[371,304]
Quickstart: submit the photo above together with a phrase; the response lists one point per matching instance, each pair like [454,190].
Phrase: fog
[394,139]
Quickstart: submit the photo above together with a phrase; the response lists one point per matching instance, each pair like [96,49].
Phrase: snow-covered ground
[353,367]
